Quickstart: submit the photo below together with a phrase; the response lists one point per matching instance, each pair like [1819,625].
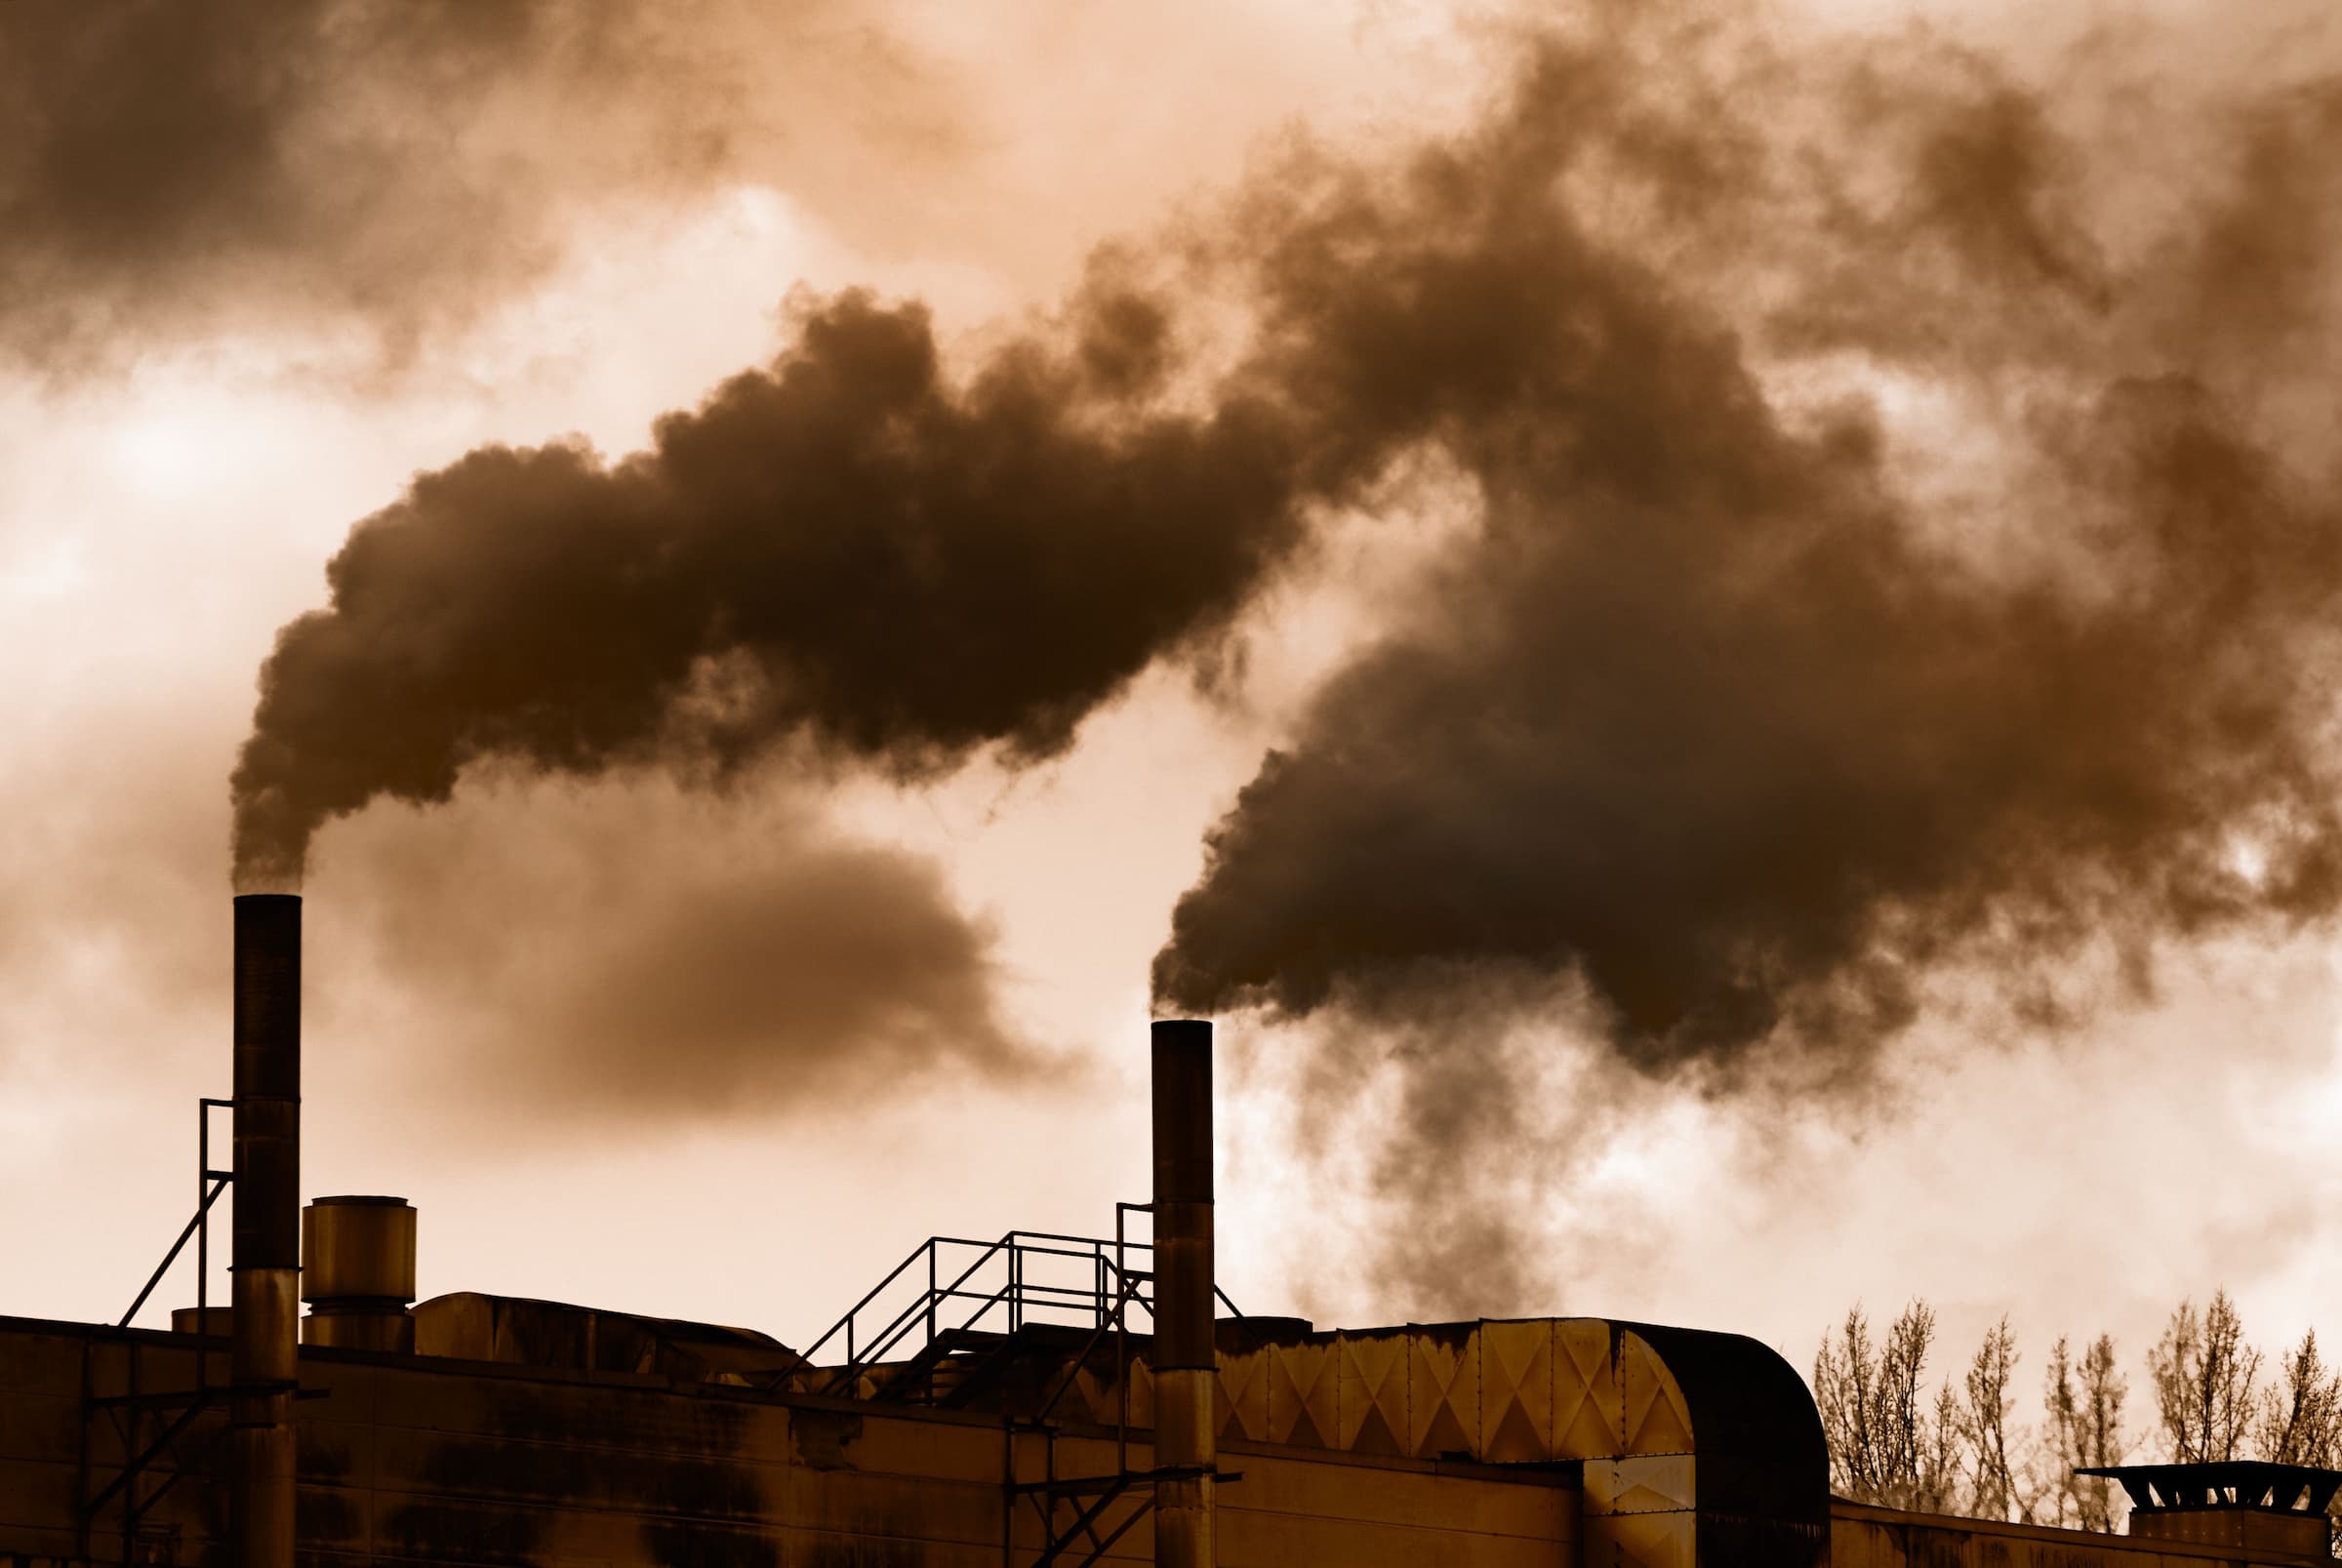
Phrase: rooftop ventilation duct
[2240,1505]
[358,1273]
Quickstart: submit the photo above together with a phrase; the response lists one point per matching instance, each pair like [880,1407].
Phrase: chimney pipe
[1186,1367]
[264,1328]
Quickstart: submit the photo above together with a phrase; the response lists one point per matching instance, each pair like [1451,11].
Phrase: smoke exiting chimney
[1185,1442]
[266,1247]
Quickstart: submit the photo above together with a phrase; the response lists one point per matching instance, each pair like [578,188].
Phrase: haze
[694,931]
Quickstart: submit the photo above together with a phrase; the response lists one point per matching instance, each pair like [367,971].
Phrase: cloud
[380,170]
[632,952]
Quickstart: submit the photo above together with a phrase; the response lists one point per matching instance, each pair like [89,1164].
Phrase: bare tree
[2061,1403]
[1993,1493]
[2203,1376]
[1903,1365]
[1904,1432]
[2300,1419]
[1964,1451]
[1936,1486]
[2102,1441]
[2083,1401]
[1845,1377]
[1882,1441]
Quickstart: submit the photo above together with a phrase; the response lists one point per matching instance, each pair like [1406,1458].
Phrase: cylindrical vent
[212,1321]
[1186,1438]
[263,1334]
[357,1248]
[358,1272]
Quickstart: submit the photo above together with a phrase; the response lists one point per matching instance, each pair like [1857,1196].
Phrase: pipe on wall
[265,1252]
[1185,1370]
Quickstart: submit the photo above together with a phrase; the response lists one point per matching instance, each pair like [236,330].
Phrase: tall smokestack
[1185,1441]
[265,1324]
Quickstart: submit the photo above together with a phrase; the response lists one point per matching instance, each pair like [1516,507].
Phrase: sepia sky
[1706,629]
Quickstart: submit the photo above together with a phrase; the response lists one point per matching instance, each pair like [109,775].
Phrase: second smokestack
[264,1326]
[1186,1366]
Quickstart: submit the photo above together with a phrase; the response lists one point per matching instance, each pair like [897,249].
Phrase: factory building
[1032,1400]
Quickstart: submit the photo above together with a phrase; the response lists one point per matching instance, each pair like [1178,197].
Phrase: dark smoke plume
[852,548]
[170,170]
[1720,711]
[640,950]
[1903,543]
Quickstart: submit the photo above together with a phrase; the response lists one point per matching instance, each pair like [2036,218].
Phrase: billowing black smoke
[1718,712]
[850,548]
[1902,538]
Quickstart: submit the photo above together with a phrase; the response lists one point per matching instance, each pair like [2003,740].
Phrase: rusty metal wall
[1500,1392]
[1887,1538]
[462,1465]
[1542,1390]
[471,1326]
[411,1461]
[43,1460]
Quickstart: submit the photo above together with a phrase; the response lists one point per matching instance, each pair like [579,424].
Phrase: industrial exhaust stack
[265,1252]
[1185,1441]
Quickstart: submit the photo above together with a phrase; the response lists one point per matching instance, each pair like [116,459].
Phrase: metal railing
[173,1409]
[209,1185]
[954,1284]
[957,1284]
[917,1319]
